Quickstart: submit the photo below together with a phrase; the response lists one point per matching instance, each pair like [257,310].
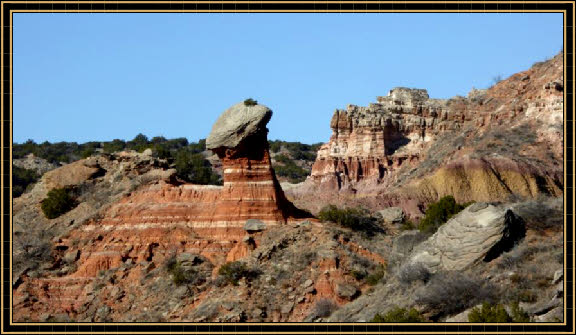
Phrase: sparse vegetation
[413,272]
[408,225]
[489,313]
[293,172]
[286,164]
[496,313]
[399,315]
[250,102]
[376,276]
[496,79]
[450,293]
[354,218]
[232,272]
[181,275]
[193,168]
[541,214]
[324,308]
[439,212]
[57,202]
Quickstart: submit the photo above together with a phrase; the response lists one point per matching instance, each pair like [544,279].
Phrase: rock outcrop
[162,218]
[371,142]
[408,150]
[31,162]
[480,232]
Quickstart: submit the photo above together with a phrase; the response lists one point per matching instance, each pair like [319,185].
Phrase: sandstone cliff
[411,149]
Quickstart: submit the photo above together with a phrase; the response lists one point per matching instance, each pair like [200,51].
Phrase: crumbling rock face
[371,142]
[499,142]
[480,232]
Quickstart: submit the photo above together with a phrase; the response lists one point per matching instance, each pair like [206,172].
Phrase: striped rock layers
[367,143]
[141,231]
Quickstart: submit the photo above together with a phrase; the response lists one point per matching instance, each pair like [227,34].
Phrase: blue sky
[83,77]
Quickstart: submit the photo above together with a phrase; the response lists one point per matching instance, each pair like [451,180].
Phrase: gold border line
[292,2]
[2,91]
[573,168]
[10,124]
[308,11]
[276,12]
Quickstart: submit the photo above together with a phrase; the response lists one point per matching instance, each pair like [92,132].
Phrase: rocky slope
[37,164]
[410,149]
[144,227]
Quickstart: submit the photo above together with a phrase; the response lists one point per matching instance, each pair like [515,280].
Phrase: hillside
[438,208]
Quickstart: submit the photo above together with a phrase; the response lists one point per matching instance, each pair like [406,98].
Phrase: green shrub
[408,225]
[232,272]
[114,146]
[398,314]
[293,172]
[355,218]
[439,212]
[250,102]
[22,179]
[193,168]
[275,146]
[139,143]
[489,313]
[375,276]
[181,276]
[58,202]
[518,314]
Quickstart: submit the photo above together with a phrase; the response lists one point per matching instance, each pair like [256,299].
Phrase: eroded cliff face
[369,143]
[407,148]
[142,230]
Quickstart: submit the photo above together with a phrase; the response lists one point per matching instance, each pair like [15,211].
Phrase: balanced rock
[480,232]
[238,123]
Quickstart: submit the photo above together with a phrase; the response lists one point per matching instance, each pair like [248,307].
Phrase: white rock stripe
[246,171]
[206,224]
[253,183]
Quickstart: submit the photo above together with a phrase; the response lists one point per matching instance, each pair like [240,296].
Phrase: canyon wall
[408,149]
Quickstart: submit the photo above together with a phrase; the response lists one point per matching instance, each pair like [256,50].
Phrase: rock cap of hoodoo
[238,123]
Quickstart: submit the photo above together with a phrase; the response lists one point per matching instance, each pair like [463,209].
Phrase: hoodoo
[251,190]
[159,220]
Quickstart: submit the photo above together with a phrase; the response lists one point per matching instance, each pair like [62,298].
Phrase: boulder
[69,175]
[479,232]
[308,283]
[237,123]
[393,215]
[346,291]
[254,225]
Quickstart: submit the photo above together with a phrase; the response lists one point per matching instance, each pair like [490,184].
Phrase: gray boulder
[392,215]
[237,123]
[480,232]
[346,291]
[254,225]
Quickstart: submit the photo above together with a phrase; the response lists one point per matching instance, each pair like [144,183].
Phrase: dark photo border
[8,8]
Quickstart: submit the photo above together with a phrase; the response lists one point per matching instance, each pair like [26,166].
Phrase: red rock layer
[405,136]
[162,220]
